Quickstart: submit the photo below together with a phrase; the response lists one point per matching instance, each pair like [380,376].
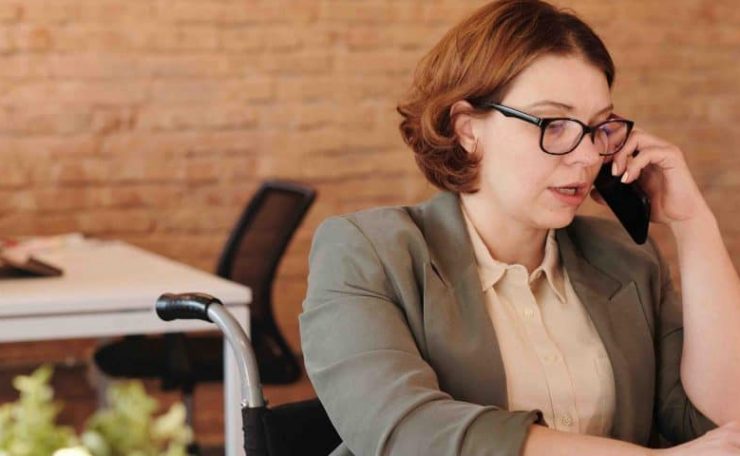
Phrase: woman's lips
[571,195]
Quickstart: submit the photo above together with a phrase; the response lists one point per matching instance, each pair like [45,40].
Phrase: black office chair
[297,428]
[251,256]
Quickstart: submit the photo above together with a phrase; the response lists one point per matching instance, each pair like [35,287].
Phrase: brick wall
[153,121]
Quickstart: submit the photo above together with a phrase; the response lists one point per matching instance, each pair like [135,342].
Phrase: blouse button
[551,358]
[566,420]
[528,313]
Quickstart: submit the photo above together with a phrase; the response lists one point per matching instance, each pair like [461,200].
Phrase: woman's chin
[560,219]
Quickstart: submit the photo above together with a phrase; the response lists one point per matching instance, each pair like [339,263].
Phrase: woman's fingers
[659,156]
[637,141]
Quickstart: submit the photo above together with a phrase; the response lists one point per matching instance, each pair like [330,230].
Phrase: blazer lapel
[616,313]
[461,340]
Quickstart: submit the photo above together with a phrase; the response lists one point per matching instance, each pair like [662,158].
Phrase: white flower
[77,451]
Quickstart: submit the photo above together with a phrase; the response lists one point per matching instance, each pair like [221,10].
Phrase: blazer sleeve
[678,419]
[361,358]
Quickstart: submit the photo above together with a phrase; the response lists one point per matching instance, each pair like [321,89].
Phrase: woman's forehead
[566,82]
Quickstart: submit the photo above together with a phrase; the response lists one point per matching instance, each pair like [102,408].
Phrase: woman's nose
[588,152]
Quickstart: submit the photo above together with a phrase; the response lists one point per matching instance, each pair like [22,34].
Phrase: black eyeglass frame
[543,122]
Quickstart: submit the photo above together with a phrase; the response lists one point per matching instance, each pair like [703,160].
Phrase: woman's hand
[723,441]
[663,174]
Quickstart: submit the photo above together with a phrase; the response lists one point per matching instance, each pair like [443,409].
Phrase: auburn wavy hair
[478,60]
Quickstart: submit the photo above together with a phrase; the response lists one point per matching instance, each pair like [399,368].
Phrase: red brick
[283,38]
[188,38]
[110,120]
[22,67]
[180,144]
[78,93]
[114,222]
[33,38]
[194,11]
[33,122]
[13,174]
[226,192]
[90,65]
[195,220]
[9,12]
[51,147]
[189,66]
[279,144]
[197,117]
[204,11]
[159,169]
[202,171]
[299,115]
[358,11]
[115,11]
[228,143]
[75,172]
[33,224]
[446,12]
[418,37]
[14,200]
[386,62]
[105,38]
[305,63]
[366,37]
[56,199]
[142,196]
[191,248]
[57,11]
[407,12]
[7,41]
[243,39]
[294,88]
[201,91]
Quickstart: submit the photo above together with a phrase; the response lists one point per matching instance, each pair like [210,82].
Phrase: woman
[491,319]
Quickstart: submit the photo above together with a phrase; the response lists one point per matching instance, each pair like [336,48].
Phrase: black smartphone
[628,202]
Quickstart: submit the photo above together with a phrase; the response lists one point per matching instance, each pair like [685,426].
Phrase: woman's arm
[710,363]
[542,441]
[381,395]
[710,368]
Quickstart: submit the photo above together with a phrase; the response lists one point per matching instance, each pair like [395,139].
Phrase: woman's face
[516,176]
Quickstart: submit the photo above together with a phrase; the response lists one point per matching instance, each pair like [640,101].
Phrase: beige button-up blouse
[553,357]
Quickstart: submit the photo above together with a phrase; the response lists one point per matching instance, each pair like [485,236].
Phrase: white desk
[109,289]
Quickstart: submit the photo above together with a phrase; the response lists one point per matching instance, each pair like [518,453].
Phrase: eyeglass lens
[563,135]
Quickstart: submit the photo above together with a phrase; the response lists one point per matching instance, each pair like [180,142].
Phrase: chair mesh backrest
[254,249]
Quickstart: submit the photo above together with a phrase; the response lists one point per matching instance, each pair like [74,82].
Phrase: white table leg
[234,435]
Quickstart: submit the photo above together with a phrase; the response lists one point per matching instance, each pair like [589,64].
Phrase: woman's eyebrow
[566,107]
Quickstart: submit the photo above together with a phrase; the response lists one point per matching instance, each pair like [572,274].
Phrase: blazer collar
[453,259]
[451,249]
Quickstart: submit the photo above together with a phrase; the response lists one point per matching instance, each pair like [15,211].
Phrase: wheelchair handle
[201,306]
[185,306]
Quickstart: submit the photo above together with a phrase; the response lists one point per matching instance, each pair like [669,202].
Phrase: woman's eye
[556,126]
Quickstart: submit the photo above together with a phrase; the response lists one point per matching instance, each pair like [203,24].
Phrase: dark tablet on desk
[32,267]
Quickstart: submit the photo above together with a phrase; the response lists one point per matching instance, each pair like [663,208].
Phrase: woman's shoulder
[385,228]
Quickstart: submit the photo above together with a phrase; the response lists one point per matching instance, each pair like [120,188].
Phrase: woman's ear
[464,125]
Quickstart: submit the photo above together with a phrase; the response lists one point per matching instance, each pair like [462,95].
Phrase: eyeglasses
[561,135]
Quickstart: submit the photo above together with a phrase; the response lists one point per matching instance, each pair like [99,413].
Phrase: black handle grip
[188,306]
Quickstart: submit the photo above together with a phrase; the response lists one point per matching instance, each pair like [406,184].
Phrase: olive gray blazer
[402,353]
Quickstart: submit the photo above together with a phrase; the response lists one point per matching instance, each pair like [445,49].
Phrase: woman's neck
[507,240]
